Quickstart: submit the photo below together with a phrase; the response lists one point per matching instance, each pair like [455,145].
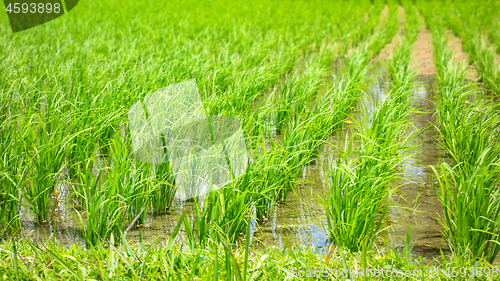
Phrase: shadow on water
[299,221]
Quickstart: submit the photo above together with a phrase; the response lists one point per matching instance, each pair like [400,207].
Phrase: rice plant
[163,189]
[45,144]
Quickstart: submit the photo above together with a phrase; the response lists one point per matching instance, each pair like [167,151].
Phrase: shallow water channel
[299,221]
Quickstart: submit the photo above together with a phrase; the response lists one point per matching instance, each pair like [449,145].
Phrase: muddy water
[300,220]
[416,204]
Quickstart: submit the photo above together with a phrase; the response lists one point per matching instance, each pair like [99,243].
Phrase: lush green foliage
[291,72]
[27,261]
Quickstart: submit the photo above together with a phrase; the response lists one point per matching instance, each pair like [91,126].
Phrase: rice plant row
[359,181]
[468,188]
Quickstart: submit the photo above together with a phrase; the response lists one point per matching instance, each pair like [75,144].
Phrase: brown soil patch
[422,54]
[389,48]
[383,16]
[455,44]
[401,18]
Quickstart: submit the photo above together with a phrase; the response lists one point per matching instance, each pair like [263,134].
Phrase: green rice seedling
[163,190]
[470,207]
[292,100]
[86,148]
[468,198]
[228,210]
[358,187]
[111,195]
[44,145]
[399,71]
[87,124]
[271,181]
[138,195]
[95,225]
[351,204]
[103,211]
[130,180]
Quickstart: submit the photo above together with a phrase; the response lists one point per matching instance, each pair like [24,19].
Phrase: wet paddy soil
[422,54]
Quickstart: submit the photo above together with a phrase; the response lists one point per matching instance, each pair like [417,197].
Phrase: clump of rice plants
[163,190]
[45,144]
[109,197]
[228,211]
[358,185]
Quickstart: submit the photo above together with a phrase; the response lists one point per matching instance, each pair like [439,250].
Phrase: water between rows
[299,221]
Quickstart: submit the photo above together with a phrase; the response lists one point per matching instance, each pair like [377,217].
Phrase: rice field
[370,132]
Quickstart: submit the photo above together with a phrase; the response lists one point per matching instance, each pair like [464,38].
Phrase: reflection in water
[416,204]
[300,219]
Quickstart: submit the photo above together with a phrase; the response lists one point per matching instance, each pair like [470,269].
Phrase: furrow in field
[389,48]
[422,53]
[383,17]
[414,204]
